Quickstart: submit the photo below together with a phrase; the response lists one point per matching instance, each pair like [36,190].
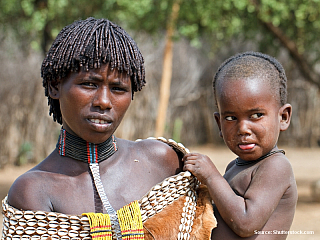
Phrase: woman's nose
[103,98]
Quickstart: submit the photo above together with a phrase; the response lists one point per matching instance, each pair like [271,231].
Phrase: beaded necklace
[240,162]
[75,147]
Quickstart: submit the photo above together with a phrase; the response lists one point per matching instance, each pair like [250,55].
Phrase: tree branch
[305,68]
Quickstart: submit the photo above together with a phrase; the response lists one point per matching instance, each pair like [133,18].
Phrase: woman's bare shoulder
[28,191]
[157,151]
[154,147]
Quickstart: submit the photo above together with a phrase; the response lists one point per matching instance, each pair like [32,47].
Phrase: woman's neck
[77,148]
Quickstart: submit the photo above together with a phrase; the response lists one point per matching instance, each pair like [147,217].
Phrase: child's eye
[230,118]
[256,115]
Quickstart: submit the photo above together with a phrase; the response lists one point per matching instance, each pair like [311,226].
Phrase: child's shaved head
[256,65]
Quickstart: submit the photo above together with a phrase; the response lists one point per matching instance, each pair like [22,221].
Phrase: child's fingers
[190,162]
[193,158]
[189,167]
[190,156]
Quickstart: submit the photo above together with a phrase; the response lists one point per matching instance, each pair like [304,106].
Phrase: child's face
[93,103]
[250,117]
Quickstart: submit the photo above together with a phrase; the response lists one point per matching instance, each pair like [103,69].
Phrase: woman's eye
[230,118]
[89,84]
[119,89]
[256,115]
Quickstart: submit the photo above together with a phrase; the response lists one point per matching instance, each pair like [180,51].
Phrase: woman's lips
[100,125]
[246,146]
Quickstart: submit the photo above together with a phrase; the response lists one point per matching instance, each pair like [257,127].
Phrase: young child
[256,197]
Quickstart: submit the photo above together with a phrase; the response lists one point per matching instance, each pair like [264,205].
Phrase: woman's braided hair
[86,44]
[254,65]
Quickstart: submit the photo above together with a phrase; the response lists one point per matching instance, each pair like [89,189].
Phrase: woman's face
[94,103]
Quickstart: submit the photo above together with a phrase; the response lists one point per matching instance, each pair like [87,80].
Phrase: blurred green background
[204,34]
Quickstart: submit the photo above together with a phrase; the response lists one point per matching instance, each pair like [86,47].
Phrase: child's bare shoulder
[275,172]
[277,164]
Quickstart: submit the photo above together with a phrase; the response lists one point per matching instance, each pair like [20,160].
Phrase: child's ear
[53,89]
[217,118]
[285,116]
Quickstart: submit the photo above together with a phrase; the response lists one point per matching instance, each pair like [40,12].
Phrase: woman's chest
[121,183]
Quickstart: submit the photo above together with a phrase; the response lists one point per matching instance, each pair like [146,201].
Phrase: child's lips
[246,146]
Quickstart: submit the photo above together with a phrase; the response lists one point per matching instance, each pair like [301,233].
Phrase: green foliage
[177,128]
[25,154]
[219,20]
[39,20]
[299,19]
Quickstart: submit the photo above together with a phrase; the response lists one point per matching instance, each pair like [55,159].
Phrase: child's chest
[240,177]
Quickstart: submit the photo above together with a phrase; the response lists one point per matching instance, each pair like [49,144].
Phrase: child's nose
[244,128]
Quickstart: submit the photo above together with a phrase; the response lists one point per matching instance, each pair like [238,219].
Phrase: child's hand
[199,165]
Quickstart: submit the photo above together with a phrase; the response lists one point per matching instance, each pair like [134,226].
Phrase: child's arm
[250,212]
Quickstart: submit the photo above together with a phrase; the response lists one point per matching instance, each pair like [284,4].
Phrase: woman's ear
[285,113]
[54,89]
[217,118]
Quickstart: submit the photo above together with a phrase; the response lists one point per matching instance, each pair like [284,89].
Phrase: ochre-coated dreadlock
[253,65]
[86,44]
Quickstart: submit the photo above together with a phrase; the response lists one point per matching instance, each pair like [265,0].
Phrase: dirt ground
[306,166]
